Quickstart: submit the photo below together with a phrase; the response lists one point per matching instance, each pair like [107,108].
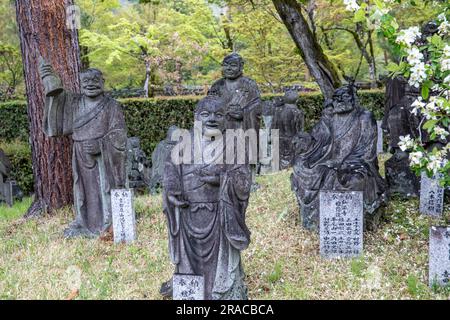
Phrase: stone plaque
[380,137]
[124,220]
[188,287]
[341,223]
[9,192]
[431,196]
[439,256]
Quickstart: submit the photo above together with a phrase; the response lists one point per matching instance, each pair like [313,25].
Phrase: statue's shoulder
[248,82]
[367,116]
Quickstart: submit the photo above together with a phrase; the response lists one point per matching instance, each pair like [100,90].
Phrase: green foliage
[14,121]
[19,153]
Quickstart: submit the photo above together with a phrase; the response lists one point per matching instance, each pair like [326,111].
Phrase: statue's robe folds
[206,237]
[94,175]
[353,144]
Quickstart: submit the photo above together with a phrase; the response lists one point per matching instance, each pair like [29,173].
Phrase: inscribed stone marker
[431,196]
[341,223]
[188,287]
[380,137]
[439,256]
[124,220]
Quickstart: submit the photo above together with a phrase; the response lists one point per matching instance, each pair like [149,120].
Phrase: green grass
[282,261]
[16,211]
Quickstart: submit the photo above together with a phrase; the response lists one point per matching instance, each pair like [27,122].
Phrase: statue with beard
[290,121]
[205,206]
[341,155]
[97,127]
[243,103]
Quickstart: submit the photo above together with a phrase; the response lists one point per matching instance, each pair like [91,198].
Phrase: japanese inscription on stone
[431,196]
[439,256]
[341,223]
[188,287]
[124,220]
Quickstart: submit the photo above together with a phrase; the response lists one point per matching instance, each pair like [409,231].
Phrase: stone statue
[399,121]
[159,156]
[243,101]
[289,120]
[5,169]
[97,126]
[340,155]
[138,165]
[205,207]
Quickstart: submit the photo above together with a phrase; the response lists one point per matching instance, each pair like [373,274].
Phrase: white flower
[417,105]
[435,163]
[408,36]
[405,143]
[444,28]
[446,51]
[414,56]
[445,65]
[415,157]
[447,79]
[351,5]
[418,74]
[441,132]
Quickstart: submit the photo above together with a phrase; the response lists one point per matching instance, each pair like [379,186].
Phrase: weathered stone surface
[5,187]
[379,138]
[439,256]
[339,154]
[431,196]
[188,287]
[341,224]
[138,166]
[97,126]
[123,215]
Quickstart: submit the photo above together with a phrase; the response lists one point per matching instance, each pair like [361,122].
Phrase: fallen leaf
[73,294]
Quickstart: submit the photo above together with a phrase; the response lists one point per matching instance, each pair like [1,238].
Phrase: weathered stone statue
[159,156]
[243,101]
[5,169]
[289,120]
[340,155]
[399,121]
[97,126]
[138,166]
[205,206]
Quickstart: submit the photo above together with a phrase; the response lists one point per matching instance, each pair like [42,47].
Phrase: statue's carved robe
[94,175]
[352,143]
[206,238]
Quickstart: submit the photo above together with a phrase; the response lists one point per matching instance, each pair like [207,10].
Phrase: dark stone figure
[242,98]
[341,154]
[159,156]
[138,165]
[5,169]
[205,207]
[399,121]
[289,120]
[97,127]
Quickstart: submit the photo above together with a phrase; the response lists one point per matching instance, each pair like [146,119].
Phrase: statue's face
[290,97]
[232,69]
[213,119]
[342,102]
[92,85]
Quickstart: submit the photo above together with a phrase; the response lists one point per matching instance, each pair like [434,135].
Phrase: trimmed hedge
[19,153]
[149,119]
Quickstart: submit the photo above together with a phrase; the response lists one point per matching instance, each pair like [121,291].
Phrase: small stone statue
[289,120]
[341,154]
[97,126]
[205,206]
[5,169]
[159,156]
[138,165]
[243,101]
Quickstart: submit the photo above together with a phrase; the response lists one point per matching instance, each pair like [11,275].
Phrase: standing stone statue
[243,101]
[399,121]
[138,166]
[5,169]
[205,207]
[97,126]
[159,156]
[341,155]
[289,120]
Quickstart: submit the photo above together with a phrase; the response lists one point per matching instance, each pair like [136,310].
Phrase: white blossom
[408,36]
[418,74]
[435,163]
[447,79]
[417,105]
[444,28]
[446,51]
[414,56]
[415,157]
[351,5]
[441,132]
[405,143]
[445,65]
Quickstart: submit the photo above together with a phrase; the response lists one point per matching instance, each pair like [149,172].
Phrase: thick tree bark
[323,71]
[43,30]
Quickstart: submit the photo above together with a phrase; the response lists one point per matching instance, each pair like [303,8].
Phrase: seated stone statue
[159,156]
[205,207]
[289,120]
[97,127]
[340,154]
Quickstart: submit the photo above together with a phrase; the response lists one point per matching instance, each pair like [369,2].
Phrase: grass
[282,261]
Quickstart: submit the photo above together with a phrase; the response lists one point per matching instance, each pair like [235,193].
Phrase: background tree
[43,30]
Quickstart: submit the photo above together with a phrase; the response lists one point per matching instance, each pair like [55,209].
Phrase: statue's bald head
[92,82]
[233,66]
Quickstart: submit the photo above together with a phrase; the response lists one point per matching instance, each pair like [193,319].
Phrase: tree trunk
[323,71]
[42,30]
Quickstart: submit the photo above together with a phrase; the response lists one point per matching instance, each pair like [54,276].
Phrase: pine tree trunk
[323,71]
[43,30]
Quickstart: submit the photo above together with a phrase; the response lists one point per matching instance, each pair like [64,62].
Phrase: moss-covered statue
[339,154]
[205,205]
[97,127]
